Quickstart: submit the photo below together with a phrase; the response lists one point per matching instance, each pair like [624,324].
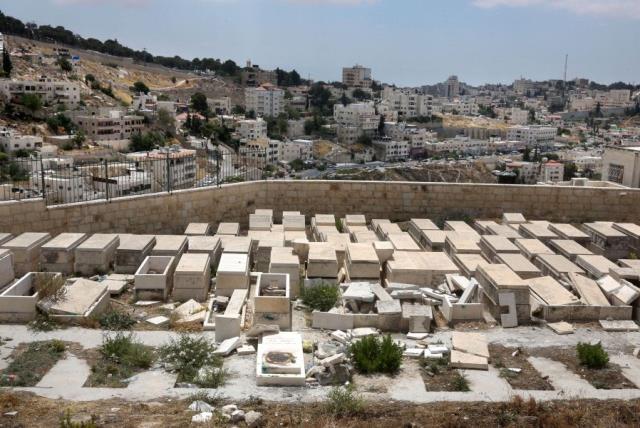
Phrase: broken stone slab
[201,406]
[413,352]
[432,355]
[341,336]
[358,333]
[416,318]
[198,317]
[622,325]
[359,291]
[333,360]
[463,360]
[246,350]
[471,343]
[561,327]
[508,319]
[228,346]
[159,321]
[202,418]
[438,349]
[188,308]
[406,294]
[417,336]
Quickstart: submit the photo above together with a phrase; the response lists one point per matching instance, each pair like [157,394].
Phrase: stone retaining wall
[398,201]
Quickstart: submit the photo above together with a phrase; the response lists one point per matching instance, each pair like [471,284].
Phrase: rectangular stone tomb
[232,229]
[58,255]
[418,225]
[18,302]
[462,243]
[460,227]
[365,237]
[96,254]
[260,222]
[498,278]
[566,231]
[416,318]
[263,246]
[198,229]
[132,251]
[284,261]
[209,245]
[192,277]
[7,274]
[482,226]
[513,218]
[294,223]
[519,264]
[503,230]
[170,245]
[385,229]
[468,263]
[403,242]
[556,265]
[339,241]
[272,300]
[550,292]
[280,360]
[491,245]
[362,261]
[538,231]
[236,244]
[608,241]
[232,274]
[5,237]
[81,299]
[322,261]
[596,266]
[433,240]
[26,250]
[154,278]
[531,248]
[569,248]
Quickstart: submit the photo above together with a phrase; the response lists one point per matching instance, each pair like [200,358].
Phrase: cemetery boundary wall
[164,213]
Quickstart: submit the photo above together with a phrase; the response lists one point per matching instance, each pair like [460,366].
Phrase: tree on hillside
[65,65]
[147,141]
[31,102]
[7,66]
[199,103]
[140,87]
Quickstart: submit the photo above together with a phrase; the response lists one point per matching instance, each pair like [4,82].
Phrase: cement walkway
[66,378]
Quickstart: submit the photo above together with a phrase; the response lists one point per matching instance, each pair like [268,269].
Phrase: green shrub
[121,357]
[66,422]
[344,401]
[115,320]
[31,364]
[188,355]
[321,297]
[592,356]
[376,355]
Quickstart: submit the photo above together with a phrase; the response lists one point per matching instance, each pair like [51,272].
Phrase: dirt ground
[40,412]
[503,359]
[610,377]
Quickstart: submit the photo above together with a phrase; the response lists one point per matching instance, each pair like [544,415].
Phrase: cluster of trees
[288,78]
[146,141]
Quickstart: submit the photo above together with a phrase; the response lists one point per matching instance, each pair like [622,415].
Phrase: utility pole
[564,84]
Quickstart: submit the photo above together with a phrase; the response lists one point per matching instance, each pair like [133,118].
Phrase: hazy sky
[407,42]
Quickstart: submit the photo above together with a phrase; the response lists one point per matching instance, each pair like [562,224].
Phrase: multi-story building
[552,171]
[172,167]
[357,77]
[252,75]
[452,87]
[262,149]
[408,102]
[295,128]
[354,120]
[11,141]
[387,150]
[266,100]
[464,107]
[296,149]
[522,86]
[533,135]
[114,125]
[252,129]
[621,165]
[220,105]
[49,90]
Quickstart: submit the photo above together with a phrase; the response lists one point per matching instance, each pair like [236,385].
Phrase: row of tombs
[391,278]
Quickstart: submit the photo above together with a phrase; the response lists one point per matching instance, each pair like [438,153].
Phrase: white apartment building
[115,125]
[522,86]
[357,76]
[552,171]
[391,151]
[173,165]
[613,98]
[386,110]
[527,171]
[463,107]
[452,87]
[518,116]
[592,163]
[296,149]
[252,129]
[266,100]
[354,120]
[262,148]
[407,102]
[11,141]
[65,189]
[220,105]
[621,165]
[533,135]
[49,90]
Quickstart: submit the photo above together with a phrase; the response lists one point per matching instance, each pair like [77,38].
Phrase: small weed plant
[193,359]
[115,320]
[121,357]
[343,401]
[460,383]
[376,355]
[592,356]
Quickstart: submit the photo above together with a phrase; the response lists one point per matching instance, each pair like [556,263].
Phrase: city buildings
[109,125]
[265,100]
[408,102]
[354,120]
[533,135]
[49,90]
[356,77]
[452,87]
[12,141]
[551,171]
[252,129]
[621,165]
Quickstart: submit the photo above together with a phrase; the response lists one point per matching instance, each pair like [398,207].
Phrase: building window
[616,173]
